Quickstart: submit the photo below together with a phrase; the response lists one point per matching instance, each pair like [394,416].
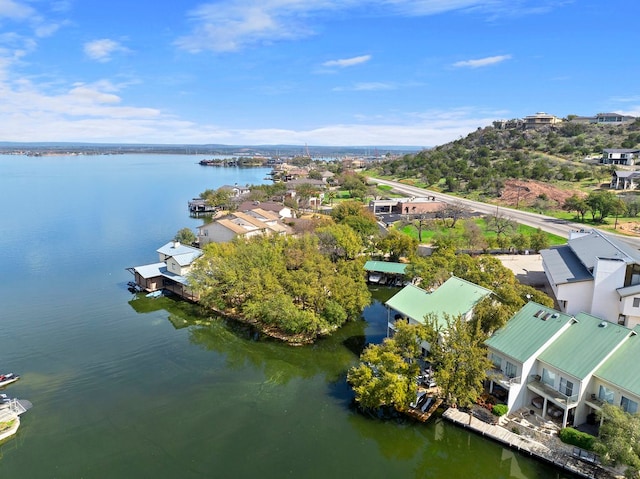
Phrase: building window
[605,395]
[622,319]
[636,302]
[548,377]
[566,387]
[628,405]
[496,360]
[510,370]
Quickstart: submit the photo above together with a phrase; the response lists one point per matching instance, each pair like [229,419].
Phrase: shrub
[500,409]
[574,437]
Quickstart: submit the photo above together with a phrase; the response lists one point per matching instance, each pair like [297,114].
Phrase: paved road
[545,223]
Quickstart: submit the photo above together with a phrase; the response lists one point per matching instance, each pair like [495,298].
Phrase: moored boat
[8,378]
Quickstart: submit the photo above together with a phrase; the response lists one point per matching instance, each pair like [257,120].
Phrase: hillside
[549,162]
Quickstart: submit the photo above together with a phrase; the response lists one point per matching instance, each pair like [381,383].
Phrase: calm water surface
[126,387]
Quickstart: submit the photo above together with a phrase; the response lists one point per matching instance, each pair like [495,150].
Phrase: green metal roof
[453,298]
[527,331]
[385,267]
[584,345]
[620,369]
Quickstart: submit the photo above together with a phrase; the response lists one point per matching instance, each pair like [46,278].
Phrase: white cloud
[347,62]
[482,62]
[101,50]
[15,10]
[367,86]
[231,25]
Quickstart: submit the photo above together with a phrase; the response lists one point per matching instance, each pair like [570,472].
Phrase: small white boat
[6,379]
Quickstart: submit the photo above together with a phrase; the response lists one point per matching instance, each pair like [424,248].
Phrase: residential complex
[595,273]
[564,366]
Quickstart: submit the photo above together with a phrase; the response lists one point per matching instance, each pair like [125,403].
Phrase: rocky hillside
[485,163]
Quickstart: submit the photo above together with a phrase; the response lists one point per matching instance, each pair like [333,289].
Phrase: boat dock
[423,416]
[554,452]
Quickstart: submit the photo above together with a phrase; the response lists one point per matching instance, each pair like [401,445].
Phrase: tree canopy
[386,373]
[618,441]
[284,285]
[459,358]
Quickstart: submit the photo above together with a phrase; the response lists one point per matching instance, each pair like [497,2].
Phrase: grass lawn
[428,235]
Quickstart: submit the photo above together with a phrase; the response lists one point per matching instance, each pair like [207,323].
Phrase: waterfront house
[272,206]
[241,224]
[236,190]
[456,297]
[563,365]
[171,272]
[597,274]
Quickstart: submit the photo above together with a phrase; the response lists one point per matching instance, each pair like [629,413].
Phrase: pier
[554,452]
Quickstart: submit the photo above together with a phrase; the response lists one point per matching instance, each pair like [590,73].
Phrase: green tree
[220,198]
[618,441]
[284,285]
[602,204]
[386,373]
[185,236]
[459,357]
[397,245]
[520,241]
[576,203]
[354,214]
[339,241]
[472,236]
[539,240]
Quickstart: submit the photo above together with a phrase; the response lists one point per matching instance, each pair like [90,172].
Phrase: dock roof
[527,331]
[385,267]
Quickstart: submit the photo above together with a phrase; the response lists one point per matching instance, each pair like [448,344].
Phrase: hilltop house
[171,272]
[597,274]
[624,180]
[619,156]
[565,366]
[540,119]
[605,119]
[455,297]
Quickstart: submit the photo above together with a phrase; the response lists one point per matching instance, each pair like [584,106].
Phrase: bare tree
[454,211]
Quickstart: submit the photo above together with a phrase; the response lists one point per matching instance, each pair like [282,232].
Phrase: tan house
[245,224]
[540,119]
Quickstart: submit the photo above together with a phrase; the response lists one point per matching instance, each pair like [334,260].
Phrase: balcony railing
[535,384]
[497,375]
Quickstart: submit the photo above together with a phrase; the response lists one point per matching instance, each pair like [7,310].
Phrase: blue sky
[316,72]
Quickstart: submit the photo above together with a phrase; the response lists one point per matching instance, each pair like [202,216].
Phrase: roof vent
[603,324]
[554,315]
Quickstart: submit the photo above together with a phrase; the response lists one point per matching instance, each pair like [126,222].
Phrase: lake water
[126,387]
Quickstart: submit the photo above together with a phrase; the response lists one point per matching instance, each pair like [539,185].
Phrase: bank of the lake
[132,387]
